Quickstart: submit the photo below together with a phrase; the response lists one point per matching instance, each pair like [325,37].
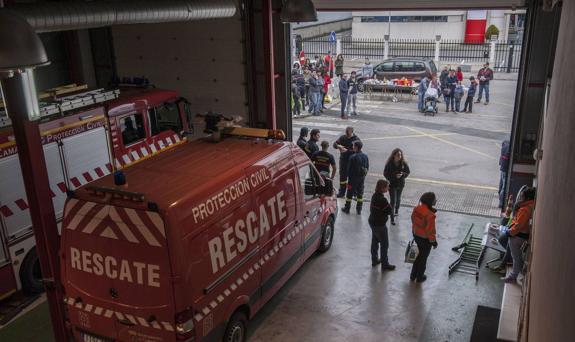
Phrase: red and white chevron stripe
[144,152]
[135,226]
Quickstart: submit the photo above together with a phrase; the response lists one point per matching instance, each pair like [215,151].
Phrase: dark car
[410,68]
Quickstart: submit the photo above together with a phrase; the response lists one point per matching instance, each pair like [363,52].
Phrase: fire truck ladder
[63,104]
[470,255]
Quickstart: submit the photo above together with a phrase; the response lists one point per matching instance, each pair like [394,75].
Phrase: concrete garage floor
[338,296]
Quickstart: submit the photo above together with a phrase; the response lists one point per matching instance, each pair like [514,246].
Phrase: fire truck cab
[85,135]
[195,242]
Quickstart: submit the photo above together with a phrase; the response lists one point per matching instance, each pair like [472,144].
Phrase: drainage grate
[449,198]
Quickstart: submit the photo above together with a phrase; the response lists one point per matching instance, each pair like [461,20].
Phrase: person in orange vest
[423,225]
[519,231]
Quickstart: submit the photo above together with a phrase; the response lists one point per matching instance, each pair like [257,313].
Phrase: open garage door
[379,5]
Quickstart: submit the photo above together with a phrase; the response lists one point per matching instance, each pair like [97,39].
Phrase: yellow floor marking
[451,143]
[432,181]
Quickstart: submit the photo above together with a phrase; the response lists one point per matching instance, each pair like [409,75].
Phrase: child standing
[470,94]
[458,94]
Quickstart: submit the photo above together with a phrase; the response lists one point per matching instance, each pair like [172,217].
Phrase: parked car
[410,68]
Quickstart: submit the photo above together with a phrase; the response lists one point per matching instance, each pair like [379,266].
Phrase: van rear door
[116,273]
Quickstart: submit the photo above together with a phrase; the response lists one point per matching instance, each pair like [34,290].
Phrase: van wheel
[31,274]
[326,235]
[236,330]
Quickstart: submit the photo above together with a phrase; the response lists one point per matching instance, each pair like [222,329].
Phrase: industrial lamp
[20,52]
[298,11]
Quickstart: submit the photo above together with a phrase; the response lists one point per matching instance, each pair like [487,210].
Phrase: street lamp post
[20,52]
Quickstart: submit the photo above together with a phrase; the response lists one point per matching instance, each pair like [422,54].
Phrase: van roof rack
[51,102]
[255,132]
[116,193]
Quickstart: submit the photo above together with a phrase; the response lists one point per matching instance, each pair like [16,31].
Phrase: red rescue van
[194,244]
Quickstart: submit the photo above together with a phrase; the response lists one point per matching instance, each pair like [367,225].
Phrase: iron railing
[507,55]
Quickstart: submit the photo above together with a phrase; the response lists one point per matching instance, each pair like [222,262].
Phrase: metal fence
[507,55]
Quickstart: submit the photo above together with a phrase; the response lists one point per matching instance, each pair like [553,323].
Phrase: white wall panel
[202,60]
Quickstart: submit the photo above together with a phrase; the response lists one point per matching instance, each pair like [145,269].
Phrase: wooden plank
[509,318]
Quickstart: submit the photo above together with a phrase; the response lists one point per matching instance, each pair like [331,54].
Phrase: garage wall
[552,300]
[202,60]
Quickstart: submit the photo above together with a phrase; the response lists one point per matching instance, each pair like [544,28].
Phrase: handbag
[447,91]
[411,252]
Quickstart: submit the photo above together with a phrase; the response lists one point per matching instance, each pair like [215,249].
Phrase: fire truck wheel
[30,274]
[236,330]
[326,235]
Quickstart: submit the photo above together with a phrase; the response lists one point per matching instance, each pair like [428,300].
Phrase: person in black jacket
[379,210]
[396,171]
[311,146]
[357,169]
[345,146]
[302,141]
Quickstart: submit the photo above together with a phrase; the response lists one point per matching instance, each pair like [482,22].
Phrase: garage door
[373,5]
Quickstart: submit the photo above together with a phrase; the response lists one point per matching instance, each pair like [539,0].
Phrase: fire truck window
[165,117]
[307,182]
[132,128]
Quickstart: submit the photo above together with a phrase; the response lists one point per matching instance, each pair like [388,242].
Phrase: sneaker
[486,103]
[392,222]
[375,263]
[478,101]
[388,267]
[422,279]
[470,112]
[498,269]
[345,210]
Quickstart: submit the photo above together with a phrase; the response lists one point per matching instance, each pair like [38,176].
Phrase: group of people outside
[353,169]
[451,87]
[311,79]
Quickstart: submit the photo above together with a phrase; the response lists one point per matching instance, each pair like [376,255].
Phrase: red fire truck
[86,135]
[195,242]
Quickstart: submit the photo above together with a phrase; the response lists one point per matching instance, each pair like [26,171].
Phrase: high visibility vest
[423,222]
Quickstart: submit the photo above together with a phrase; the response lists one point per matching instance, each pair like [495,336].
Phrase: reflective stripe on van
[107,313]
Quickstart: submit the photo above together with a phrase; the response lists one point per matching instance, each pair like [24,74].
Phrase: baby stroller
[430,102]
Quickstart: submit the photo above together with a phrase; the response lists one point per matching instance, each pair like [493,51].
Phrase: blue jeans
[315,104]
[481,87]
[502,180]
[420,100]
[449,100]
[457,104]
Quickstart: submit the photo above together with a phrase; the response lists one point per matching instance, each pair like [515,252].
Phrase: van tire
[326,235]
[30,274]
[236,331]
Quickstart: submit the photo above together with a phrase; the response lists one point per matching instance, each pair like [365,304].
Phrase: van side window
[307,181]
[387,66]
[132,127]
[165,117]
[404,66]
[419,66]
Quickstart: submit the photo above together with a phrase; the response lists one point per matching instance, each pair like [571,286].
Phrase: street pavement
[453,154]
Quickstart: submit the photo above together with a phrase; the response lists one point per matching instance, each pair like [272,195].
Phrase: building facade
[469,26]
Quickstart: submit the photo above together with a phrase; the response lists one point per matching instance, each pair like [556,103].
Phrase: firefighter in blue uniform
[345,146]
[357,169]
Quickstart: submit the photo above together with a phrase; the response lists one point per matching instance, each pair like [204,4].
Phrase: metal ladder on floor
[470,255]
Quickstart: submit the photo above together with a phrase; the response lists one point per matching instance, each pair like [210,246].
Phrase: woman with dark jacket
[396,171]
[379,210]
